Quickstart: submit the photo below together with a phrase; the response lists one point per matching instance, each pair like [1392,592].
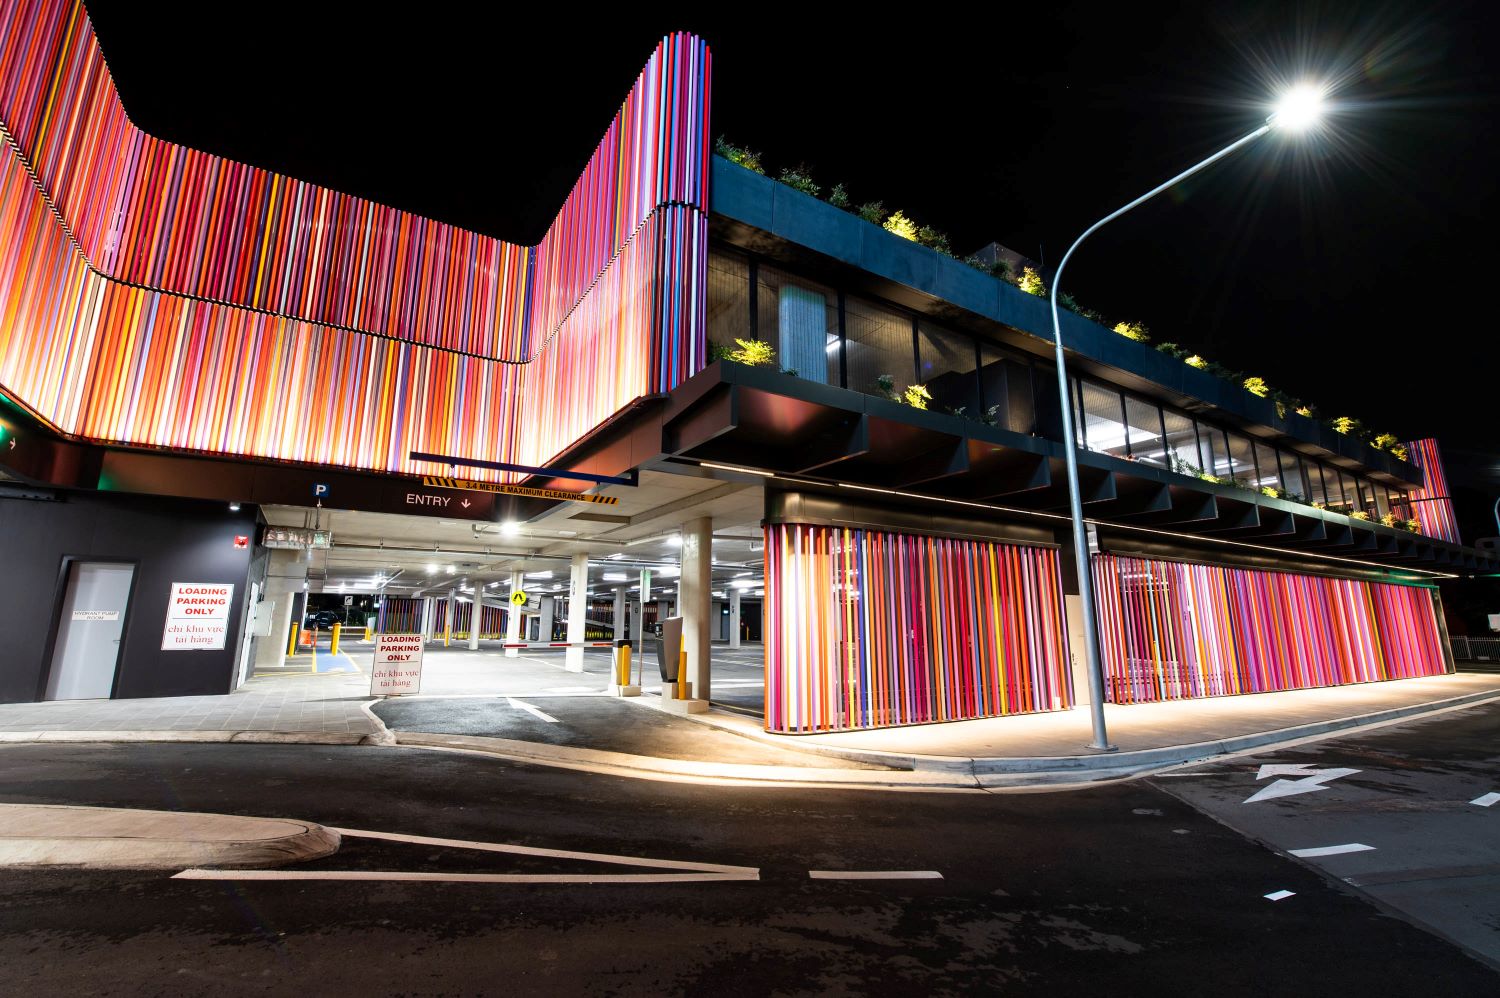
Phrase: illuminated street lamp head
[1299,109]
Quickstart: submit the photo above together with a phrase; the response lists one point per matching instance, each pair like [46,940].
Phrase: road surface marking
[575,689]
[1299,769]
[1280,895]
[528,708]
[1286,788]
[874,875]
[1486,800]
[466,878]
[1331,850]
[593,857]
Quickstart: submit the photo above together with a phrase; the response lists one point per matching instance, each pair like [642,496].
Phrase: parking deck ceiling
[427,555]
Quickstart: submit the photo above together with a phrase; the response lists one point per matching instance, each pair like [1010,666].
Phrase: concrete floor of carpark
[1408,814]
[455,670]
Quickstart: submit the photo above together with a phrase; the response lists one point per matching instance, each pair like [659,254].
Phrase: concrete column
[426,625]
[285,574]
[477,612]
[578,607]
[548,613]
[694,592]
[448,615]
[619,612]
[734,617]
[513,618]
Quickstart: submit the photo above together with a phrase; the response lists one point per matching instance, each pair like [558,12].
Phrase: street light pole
[1070,449]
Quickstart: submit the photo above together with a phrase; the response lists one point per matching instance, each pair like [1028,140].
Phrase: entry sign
[197,616]
[398,665]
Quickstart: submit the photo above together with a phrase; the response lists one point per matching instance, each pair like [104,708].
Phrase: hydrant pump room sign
[197,616]
[398,665]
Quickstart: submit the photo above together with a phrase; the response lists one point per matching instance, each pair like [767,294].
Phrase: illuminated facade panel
[1175,631]
[154,295]
[868,629]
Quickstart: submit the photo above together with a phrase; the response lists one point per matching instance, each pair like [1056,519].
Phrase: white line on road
[1486,800]
[1331,850]
[874,875]
[593,857]
[466,878]
[528,708]
[1280,895]
[575,689]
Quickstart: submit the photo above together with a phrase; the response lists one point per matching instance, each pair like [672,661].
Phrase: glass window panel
[728,299]
[1144,421]
[947,369]
[1270,470]
[800,319]
[1382,500]
[1337,485]
[1182,444]
[1367,500]
[1292,477]
[1210,448]
[879,344]
[1316,491]
[1241,459]
[1103,430]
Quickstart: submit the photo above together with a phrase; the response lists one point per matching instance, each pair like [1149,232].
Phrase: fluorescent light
[539,575]
[615,577]
[674,541]
[431,569]
[743,471]
[510,528]
[617,556]
[743,584]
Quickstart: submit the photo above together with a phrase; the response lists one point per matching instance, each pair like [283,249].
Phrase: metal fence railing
[1467,649]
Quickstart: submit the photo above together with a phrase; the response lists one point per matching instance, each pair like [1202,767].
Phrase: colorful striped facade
[1431,504]
[867,629]
[1174,631]
[158,296]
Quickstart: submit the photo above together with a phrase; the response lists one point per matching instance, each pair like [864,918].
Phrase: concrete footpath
[121,838]
[630,738]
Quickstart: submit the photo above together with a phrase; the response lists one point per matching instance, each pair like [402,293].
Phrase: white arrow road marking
[874,875]
[1306,785]
[1486,800]
[1299,769]
[528,708]
[1331,850]
[1280,895]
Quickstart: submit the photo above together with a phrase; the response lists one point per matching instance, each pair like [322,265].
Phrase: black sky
[1358,271]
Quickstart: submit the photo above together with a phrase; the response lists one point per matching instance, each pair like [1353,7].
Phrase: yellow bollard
[623,678]
[333,647]
[369,633]
[682,675]
[291,645]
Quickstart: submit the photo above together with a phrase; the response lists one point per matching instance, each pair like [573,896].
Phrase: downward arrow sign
[1306,785]
[465,504]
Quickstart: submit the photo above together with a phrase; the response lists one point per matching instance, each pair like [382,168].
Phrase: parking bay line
[874,875]
[466,878]
[518,850]
[1330,850]
[1486,800]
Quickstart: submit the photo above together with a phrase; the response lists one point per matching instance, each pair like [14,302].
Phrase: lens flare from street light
[1300,108]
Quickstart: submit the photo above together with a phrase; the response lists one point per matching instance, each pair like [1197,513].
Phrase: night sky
[1357,269]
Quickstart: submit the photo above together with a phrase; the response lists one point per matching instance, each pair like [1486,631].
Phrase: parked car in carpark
[322,620]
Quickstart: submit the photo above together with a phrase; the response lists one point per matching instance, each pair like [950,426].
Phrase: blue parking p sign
[320,490]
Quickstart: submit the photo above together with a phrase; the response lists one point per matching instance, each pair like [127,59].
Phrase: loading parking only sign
[398,665]
[197,616]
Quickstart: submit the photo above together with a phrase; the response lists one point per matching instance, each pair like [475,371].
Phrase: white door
[88,633]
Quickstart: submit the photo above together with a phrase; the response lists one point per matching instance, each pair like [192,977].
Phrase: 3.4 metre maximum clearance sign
[398,665]
[197,616]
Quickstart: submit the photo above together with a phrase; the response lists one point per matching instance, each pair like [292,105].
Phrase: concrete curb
[201,737]
[624,764]
[42,835]
[1052,770]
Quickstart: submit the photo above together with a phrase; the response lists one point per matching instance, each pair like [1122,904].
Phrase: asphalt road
[1405,797]
[1121,889]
